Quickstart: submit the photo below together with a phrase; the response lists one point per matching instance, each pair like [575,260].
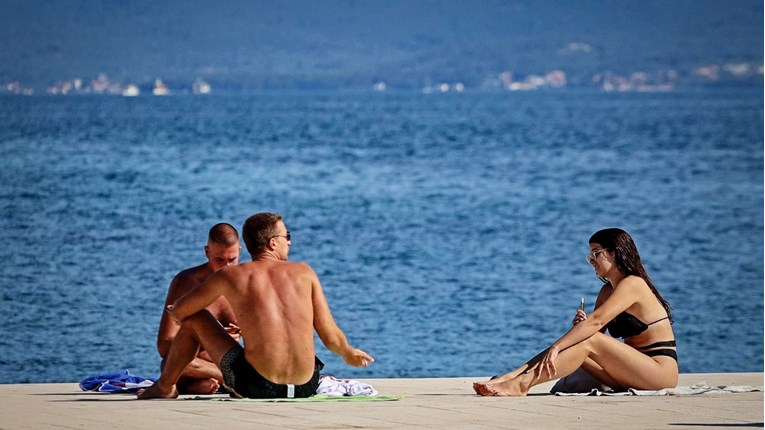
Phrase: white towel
[695,389]
[331,386]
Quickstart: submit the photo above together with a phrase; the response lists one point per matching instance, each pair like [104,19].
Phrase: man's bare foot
[156,392]
[202,386]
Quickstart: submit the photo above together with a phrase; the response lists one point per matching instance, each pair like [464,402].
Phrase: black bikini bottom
[664,351]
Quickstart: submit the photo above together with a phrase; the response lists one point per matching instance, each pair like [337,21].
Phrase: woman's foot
[510,387]
[481,389]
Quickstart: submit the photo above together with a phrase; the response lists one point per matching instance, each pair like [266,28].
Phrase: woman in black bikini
[647,359]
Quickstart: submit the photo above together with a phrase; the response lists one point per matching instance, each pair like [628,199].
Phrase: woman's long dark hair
[627,258]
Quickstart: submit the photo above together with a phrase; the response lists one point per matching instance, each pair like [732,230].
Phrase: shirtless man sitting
[201,375]
[278,304]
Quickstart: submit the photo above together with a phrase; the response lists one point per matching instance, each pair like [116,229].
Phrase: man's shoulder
[298,266]
[269,268]
[192,276]
[278,264]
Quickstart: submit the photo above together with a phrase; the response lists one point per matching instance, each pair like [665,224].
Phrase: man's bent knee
[196,323]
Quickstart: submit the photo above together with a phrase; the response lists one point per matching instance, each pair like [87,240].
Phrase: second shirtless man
[278,305]
[201,375]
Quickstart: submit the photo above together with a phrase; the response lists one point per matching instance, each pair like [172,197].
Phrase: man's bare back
[275,301]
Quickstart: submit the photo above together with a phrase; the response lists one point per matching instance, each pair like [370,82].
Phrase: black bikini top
[627,325]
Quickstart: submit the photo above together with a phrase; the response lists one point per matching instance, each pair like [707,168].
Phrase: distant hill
[246,45]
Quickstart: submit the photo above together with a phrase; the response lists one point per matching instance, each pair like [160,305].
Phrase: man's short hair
[223,234]
[258,230]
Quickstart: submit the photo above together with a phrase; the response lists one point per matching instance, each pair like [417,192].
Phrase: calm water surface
[449,231]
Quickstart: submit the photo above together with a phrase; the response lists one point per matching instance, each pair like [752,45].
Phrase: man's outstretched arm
[329,333]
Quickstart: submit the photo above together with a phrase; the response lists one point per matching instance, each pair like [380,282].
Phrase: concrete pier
[432,403]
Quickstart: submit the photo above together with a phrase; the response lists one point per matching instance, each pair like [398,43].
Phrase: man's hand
[358,358]
[233,331]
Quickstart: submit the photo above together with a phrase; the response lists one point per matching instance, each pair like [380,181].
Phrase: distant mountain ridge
[354,44]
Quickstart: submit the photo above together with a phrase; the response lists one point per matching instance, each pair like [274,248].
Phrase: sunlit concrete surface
[428,403]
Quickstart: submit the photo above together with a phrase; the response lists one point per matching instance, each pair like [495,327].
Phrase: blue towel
[118,381]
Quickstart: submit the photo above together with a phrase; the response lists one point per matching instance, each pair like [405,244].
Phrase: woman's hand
[548,362]
[579,317]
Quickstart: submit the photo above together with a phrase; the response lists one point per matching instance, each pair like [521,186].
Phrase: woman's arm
[605,291]
[624,295]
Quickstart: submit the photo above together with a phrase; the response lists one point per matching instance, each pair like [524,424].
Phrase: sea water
[448,230]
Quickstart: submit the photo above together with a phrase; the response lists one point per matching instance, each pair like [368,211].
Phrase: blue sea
[449,230]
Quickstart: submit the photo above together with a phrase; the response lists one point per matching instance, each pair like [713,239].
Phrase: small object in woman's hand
[581,304]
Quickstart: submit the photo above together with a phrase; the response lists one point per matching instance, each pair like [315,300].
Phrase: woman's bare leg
[566,363]
[480,387]
[601,375]
[625,365]
[514,373]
